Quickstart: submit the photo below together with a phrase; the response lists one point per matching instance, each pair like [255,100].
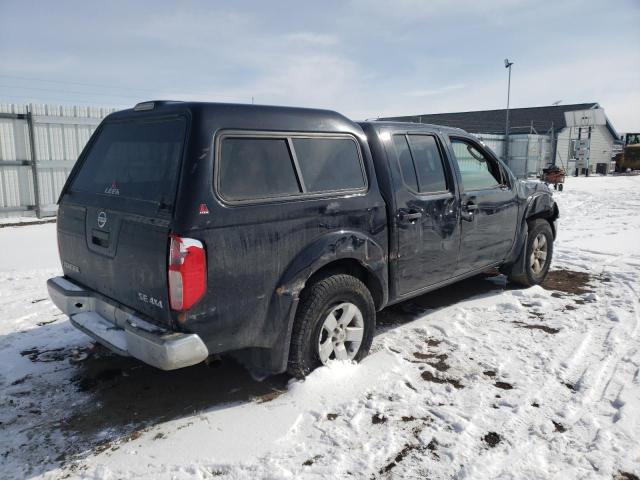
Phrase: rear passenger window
[428,163]
[328,164]
[256,168]
[405,161]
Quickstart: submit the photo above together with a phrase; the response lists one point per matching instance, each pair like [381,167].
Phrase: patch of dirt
[439,365]
[269,396]
[503,385]
[489,373]
[407,449]
[433,445]
[531,326]
[492,439]
[625,476]
[432,342]
[159,436]
[312,460]
[539,315]
[535,405]
[52,355]
[430,377]
[20,381]
[568,281]
[570,386]
[60,354]
[89,383]
[378,418]
[332,416]
[570,307]
[408,384]
[559,427]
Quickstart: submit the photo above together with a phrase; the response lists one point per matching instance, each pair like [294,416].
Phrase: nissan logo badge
[102,219]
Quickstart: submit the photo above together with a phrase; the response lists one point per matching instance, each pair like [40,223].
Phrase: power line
[76,83]
[27,98]
[69,91]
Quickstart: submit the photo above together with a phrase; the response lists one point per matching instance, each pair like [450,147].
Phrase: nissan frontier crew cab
[276,234]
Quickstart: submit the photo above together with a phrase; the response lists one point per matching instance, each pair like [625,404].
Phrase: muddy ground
[123,397]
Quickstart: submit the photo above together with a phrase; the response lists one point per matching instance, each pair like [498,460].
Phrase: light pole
[507,64]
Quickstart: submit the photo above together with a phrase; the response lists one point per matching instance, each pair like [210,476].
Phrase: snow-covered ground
[477,380]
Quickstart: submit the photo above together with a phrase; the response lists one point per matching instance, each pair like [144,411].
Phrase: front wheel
[538,253]
[335,321]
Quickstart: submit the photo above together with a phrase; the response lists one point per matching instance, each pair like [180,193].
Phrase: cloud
[362,58]
[311,38]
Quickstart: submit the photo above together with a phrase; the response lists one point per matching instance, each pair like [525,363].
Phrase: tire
[535,274]
[334,295]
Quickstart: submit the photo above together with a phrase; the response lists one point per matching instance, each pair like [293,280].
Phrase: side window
[255,168]
[328,164]
[476,169]
[405,161]
[428,163]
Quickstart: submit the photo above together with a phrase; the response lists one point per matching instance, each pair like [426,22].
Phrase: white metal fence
[528,153]
[38,146]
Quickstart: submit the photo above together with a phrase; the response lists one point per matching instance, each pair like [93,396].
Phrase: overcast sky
[362,58]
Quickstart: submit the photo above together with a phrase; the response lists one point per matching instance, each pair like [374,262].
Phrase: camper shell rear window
[135,160]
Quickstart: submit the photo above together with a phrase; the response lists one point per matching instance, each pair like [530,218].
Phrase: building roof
[521,120]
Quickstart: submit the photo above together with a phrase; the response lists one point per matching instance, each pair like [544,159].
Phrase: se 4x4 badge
[203,210]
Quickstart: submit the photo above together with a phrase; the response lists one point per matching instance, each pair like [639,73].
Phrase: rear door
[488,204]
[426,217]
[115,213]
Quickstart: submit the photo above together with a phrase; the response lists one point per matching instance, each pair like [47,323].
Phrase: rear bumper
[123,331]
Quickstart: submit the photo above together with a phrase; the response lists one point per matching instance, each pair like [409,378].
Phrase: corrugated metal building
[580,134]
[38,146]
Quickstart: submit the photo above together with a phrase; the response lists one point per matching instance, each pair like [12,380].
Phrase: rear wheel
[538,254]
[335,321]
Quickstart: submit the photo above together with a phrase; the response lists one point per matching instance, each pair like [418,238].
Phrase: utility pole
[507,64]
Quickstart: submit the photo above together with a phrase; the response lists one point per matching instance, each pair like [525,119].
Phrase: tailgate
[115,213]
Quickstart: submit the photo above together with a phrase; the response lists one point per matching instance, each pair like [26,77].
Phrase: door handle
[411,216]
[467,211]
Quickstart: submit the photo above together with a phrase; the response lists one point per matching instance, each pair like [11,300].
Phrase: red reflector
[187,272]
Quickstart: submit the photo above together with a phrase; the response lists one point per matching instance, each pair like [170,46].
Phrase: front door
[488,207]
[427,213]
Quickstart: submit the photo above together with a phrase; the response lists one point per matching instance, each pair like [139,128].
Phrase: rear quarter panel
[260,255]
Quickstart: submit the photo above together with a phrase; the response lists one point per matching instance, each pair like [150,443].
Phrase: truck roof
[238,115]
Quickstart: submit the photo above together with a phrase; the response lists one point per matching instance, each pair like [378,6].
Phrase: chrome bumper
[124,332]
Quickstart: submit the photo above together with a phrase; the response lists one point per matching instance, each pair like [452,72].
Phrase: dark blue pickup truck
[276,234]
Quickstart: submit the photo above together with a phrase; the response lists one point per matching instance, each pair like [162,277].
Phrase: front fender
[538,204]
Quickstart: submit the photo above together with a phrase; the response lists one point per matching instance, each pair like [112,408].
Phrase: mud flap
[262,362]
[517,266]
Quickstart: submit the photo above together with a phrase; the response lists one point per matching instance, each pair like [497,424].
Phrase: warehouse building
[577,137]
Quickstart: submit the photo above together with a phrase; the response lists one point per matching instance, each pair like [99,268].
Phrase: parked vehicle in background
[191,229]
[629,158]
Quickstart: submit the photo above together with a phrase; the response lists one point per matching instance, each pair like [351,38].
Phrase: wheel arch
[542,206]
[341,251]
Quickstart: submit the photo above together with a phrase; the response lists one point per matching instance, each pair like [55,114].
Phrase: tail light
[187,272]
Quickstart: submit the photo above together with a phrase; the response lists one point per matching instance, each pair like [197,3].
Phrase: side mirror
[475,154]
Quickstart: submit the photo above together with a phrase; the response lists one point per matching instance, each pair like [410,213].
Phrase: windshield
[134,160]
